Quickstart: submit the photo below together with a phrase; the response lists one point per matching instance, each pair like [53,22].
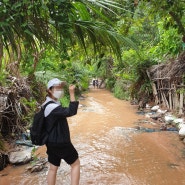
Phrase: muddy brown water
[112,151]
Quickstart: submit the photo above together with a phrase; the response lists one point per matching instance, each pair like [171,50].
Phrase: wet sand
[111,150]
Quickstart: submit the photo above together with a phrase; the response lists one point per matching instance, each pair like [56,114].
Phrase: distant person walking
[97,84]
[59,144]
[94,83]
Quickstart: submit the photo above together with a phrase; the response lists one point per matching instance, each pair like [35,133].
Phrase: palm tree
[32,24]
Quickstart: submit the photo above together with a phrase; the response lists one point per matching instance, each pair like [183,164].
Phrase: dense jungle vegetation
[77,40]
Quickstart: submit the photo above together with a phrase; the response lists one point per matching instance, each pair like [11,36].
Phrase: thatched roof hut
[174,68]
[168,82]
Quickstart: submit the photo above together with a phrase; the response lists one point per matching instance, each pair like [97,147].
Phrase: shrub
[121,89]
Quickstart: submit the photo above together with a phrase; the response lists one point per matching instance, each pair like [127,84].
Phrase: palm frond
[70,20]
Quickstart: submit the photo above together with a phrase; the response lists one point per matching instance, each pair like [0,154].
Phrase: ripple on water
[93,106]
[102,155]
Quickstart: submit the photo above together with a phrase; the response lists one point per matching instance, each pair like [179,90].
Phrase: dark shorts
[65,151]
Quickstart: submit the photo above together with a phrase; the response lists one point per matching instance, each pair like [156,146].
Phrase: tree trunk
[36,58]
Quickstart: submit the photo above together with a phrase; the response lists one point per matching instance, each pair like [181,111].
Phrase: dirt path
[112,151]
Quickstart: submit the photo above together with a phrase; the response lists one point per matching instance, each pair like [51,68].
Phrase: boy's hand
[71,88]
[72,92]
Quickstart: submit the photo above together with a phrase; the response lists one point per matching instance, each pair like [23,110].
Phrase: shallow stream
[112,151]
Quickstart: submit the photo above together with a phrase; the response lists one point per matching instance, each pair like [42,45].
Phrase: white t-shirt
[51,106]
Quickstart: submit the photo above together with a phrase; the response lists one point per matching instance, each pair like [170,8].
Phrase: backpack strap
[49,102]
[44,107]
[48,109]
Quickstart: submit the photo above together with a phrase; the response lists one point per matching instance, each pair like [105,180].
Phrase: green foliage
[3,77]
[156,42]
[110,83]
[31,25]
[121,89]
[34,157]
[141,34]
[31,107]
[38,88]
[65,101]
[181,90]
[169,44]
[74,72]
[132,80]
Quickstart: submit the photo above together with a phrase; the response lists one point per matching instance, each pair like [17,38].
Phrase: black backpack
[38,132]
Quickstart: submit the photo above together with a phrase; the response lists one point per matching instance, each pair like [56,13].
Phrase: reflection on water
[112,151]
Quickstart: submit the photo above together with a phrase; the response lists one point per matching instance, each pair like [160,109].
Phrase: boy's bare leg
[75,172]
[52,173]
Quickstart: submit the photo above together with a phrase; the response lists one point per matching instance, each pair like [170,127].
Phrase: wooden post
[181,102]
[154,89]
[170,99]
[175,99]
[160,98]
[165,102]
[155,93]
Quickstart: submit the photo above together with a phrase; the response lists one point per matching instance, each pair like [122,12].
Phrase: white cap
[55,81]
